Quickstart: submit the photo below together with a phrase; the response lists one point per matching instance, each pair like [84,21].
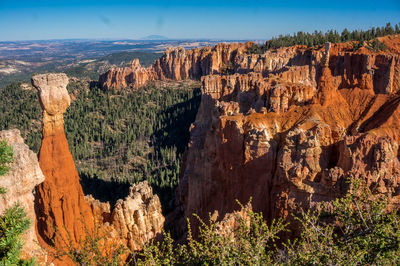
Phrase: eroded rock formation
[62,212]
[134,220]
[22,178]
[290,127]
[122,77]
[286,127]
[176,64]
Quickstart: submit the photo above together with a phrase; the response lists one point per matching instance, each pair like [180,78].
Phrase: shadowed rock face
[22,178]
[62,212]
[291,137]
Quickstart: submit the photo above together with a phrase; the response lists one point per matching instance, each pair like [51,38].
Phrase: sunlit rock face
[20,182]
[134,220]
[134,76]
[175,64]
[290,127]
[279,126]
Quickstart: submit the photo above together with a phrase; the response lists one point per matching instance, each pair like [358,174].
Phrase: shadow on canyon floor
[104,190]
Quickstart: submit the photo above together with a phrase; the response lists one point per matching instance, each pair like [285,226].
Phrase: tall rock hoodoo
[62,212]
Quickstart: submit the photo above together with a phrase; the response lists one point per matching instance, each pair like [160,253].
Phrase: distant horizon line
[127,39]
[161,38]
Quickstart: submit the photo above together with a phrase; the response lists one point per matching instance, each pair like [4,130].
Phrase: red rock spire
[62,212]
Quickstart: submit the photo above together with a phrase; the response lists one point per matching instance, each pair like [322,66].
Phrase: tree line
[318,38]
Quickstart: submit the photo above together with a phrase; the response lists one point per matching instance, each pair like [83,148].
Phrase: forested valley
[115,137]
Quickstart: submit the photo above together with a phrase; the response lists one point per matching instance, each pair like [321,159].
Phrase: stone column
[62,212]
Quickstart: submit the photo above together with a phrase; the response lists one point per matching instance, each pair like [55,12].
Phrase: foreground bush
[354,230]
[358,229]
[250,241]
[94,248]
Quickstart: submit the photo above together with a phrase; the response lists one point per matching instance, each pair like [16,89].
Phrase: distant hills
[154,38]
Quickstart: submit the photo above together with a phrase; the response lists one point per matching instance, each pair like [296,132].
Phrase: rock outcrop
[133,76]
[296,64]
[286,128]
[176,64]
[134,220]
[62,212]
[290,127]
[22,178]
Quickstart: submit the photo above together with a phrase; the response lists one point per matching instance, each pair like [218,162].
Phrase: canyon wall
[122,77]
[287,127]
[22,178]
[291,131]
[176,64]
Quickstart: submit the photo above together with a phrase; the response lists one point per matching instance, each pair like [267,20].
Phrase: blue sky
[218,19]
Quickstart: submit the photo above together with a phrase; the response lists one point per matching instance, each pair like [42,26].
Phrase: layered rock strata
[20,181]
[292,130]
[176,64]
[296,64]
[287,127]
[122,77]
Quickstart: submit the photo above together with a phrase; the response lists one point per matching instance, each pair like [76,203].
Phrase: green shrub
[357,229]
[6,157]
[250,242]
[93,248]
[13,223]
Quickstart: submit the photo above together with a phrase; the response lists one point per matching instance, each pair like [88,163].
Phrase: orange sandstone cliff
[287,127]
[175,64]
[290,132]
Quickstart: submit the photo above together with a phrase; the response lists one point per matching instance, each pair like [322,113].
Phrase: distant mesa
[154,38]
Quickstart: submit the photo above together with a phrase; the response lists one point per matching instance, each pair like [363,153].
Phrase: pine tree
[396,29]
[6,157]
